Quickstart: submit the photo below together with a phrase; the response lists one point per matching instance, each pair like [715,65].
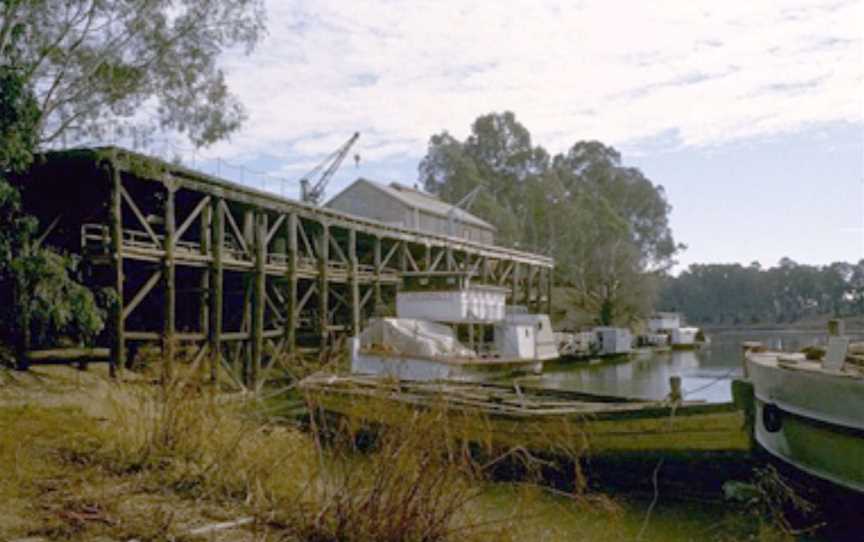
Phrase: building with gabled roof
[399,205]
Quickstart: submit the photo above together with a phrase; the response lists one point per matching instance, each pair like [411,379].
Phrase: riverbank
[820,324]
[88,459]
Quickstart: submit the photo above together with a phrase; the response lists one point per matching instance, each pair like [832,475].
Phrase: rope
[720,378]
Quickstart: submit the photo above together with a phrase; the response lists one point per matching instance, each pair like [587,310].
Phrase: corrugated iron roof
[417,199]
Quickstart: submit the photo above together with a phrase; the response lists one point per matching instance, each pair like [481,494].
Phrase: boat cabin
[614,340]
[451,297]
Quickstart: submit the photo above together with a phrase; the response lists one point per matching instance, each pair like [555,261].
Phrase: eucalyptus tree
[605,224]
[129,67]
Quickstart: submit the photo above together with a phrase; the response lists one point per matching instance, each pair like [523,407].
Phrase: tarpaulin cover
[411,337]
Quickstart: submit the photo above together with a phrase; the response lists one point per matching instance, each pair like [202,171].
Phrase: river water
[706,374]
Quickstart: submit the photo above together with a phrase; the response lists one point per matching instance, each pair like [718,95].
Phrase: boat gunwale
[577,409]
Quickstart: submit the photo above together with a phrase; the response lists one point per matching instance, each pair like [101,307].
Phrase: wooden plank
[69,354]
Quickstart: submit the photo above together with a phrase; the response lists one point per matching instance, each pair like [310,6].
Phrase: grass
[86,459]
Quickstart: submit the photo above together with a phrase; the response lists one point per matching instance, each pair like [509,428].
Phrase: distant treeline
[735,294]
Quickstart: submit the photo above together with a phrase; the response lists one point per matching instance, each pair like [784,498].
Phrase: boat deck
[539,419]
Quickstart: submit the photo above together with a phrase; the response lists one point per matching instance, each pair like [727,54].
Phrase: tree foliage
[96,65]
[605,224]
[736,294]
[38,290]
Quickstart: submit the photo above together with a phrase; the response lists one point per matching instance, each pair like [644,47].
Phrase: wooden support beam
[205,235]
[275,228]
[44,235]
[339,252]
[366,297]
[514,283]
[390,253]
[305,238]
[248,295]
[142,293]
[408,259]
[377,280]
[353,283]
[526,292]
[118,323]
[323,286]
[140,216]
[216,289]
[259,294]
[204,203]
[305,299]
[235,230]
[168,272]
[291,307]
[437,261]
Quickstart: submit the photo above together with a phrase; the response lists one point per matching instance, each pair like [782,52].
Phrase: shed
[407,207]
[664,321]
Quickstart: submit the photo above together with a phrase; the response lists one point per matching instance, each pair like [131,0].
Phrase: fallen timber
[542,420]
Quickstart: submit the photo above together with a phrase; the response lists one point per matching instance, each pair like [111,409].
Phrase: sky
[750,114]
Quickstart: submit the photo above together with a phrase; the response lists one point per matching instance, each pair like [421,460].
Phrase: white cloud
[399,71]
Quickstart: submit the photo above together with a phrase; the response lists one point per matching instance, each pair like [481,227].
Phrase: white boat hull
[810,418]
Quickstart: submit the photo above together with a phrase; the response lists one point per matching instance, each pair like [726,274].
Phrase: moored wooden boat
[810,415]
[541,420]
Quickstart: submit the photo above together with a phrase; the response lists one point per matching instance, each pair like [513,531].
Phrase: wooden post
[216,289]
[514,284]
[170,319]
[205,243]
[258,295]
[291,296]
[353,282]
[538,291]
[526,291]
[377,283]
[118,331]
[248,287]
[323,286]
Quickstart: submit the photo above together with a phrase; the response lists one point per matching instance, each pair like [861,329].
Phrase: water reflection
[705,374]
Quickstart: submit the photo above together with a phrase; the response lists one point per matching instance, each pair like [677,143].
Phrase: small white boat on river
[810,412]
[423,341]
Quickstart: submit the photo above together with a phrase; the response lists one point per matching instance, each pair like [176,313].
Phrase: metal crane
[314,194]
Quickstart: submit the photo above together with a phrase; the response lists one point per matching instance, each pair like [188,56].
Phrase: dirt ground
[51,418]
